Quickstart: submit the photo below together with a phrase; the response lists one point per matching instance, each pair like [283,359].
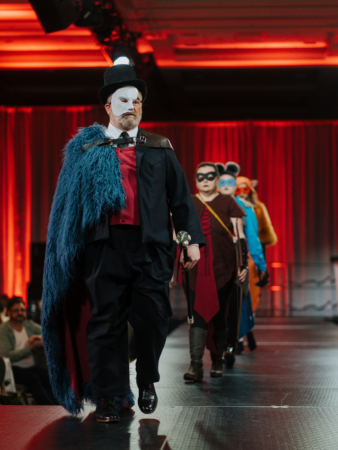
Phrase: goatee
[129,122]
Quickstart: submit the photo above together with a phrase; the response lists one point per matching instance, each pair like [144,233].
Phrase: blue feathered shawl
[89,187]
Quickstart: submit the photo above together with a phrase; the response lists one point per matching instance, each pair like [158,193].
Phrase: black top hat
[118,76]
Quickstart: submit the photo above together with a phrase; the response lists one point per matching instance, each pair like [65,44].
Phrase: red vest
[130,214]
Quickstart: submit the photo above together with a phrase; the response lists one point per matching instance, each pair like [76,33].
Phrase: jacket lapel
[140,151]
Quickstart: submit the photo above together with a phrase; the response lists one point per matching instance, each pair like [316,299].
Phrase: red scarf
[206,296]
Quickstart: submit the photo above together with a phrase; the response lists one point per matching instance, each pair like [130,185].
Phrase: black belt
[108,141]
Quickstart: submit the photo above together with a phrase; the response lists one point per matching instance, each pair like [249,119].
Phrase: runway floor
[282,396]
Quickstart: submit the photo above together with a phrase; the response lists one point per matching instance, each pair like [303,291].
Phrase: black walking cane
[183,239]
[240,288]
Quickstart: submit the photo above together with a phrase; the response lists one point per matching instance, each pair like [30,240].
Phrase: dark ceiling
[191,94]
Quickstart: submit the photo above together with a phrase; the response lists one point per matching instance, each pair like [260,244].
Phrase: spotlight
[121,60]
[55,15]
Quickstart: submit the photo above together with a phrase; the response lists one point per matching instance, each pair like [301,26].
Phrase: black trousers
[233,316]
[126,281]
[37,382]
[226,295]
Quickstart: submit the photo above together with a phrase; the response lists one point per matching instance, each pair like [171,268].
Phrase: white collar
[115,133]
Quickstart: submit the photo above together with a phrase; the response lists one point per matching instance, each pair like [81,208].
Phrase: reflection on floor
[282,396]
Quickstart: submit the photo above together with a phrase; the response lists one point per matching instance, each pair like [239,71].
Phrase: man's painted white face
[123,99]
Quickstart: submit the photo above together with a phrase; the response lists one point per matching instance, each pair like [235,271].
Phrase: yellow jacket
[266,232]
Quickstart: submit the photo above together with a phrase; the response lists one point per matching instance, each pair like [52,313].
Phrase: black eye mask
[210,176]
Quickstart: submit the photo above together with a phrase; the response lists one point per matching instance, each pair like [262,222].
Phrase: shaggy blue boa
[89,186]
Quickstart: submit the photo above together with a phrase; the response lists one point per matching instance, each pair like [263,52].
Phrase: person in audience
[3,308]
[21,342]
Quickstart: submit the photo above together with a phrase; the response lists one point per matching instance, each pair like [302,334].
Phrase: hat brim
[106,91]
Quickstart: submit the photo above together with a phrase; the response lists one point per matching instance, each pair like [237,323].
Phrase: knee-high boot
[197,340]
[219,338]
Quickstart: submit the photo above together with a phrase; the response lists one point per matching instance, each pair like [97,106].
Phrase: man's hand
[193,257]
[242,274]
[34,341]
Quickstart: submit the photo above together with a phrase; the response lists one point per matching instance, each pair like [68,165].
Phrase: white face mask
[122,100]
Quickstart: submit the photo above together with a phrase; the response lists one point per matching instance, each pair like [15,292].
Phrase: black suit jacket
[161,188]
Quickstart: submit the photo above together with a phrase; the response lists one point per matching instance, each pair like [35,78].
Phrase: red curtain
[295,163]
[16,199]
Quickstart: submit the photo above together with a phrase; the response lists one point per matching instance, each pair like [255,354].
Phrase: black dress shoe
[147,400]
[106,410]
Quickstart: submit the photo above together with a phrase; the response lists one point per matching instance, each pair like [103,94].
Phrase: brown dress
[223,248]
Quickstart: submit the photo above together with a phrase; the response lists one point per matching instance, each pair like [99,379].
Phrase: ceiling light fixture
[121,60]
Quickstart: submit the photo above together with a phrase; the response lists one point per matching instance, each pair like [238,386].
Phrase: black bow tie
[123,135]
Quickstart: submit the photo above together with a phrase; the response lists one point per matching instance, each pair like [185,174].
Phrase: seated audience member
[3,308]
[5,399]
[21,342]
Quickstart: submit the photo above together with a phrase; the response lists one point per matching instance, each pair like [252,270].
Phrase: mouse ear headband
[232,168]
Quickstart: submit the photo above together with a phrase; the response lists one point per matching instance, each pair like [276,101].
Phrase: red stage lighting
[276,288]
[25,45]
